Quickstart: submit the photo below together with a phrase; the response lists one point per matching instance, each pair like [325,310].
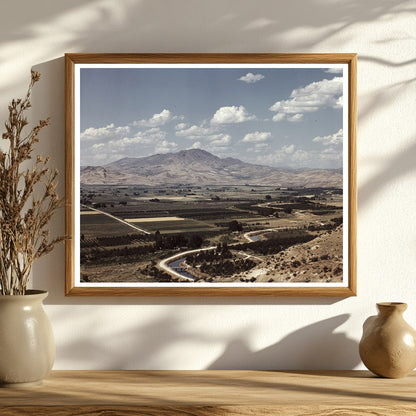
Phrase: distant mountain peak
[199,167]
[196,153]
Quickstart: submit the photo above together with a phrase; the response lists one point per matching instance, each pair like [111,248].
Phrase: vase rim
[401,306]
[30,293]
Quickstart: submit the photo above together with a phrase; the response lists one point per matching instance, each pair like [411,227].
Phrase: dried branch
[28,199]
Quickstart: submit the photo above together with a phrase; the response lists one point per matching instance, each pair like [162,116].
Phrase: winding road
[164,264]
[249,235]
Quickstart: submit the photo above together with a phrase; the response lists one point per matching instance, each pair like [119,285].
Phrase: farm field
[173,219]
[94,224]
[168,226]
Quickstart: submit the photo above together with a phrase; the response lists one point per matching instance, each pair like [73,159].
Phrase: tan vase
[27,348]
[388,344]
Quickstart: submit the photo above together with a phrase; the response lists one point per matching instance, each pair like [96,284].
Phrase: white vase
[27,347]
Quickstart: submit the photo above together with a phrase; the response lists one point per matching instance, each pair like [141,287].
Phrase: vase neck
[389,308]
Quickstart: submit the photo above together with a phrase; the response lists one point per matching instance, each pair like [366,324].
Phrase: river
[175,265]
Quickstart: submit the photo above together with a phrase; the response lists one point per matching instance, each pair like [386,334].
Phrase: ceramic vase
[388,345]
[27,348]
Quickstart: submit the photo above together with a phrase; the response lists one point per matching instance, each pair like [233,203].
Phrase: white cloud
[141,137]
[156,120]
[218,144]
[301,157]
[340,102]
[231,114]
[261,145]
[279,117]
[258,147]
[334,71]
[331,154]
[290,156]
[200,133]
[181,126]
[101,133]
[152,134]
[251,78]
[295,118]
[196,145]
[128,141]
[257,136]
[142,143]
[196,132]
[332,139]
[165,147]
[320,94]
[220,140]
[288,149]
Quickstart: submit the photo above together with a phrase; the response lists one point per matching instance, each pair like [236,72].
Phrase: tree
[234,225]
[195,241]
[225,251]
[158,239]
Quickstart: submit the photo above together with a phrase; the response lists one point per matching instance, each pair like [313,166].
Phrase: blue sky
[283,117]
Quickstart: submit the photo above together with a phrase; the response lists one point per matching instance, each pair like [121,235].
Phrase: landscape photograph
[212,175]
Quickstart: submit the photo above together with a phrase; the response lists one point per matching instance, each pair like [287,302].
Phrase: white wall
[201,333]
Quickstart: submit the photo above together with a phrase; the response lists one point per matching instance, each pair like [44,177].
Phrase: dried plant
[28,199]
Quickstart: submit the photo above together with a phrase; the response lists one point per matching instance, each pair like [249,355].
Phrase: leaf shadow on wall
[49,29]
[315,346]
[144,346]
[395,168]
[145,342]
[152,344]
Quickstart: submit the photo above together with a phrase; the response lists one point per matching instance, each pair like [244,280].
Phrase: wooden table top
[208,393]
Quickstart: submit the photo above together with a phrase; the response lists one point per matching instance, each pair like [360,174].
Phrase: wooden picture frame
[267,175]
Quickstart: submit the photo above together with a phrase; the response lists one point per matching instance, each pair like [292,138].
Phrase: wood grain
[210,411]
[154,291]
[179,58]
[352,172]
[207,393]
[71,59]
[69,174]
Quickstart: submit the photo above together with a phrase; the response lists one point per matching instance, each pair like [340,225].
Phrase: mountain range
[199,167]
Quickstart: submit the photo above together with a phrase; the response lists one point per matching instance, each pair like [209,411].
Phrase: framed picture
[211,174]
